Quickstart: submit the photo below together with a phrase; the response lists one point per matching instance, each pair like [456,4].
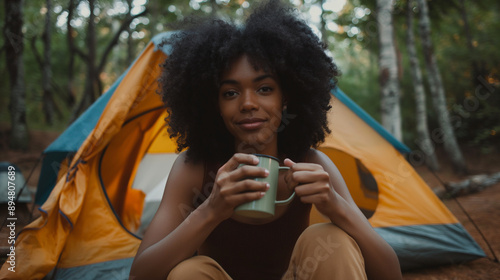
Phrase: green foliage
[476,124]
[109,16]
[359,78]
[474,97]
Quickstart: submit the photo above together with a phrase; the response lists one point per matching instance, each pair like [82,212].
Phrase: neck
[270,149]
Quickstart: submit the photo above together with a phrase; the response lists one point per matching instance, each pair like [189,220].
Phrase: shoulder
[318,157]
[182,163]
[185,172]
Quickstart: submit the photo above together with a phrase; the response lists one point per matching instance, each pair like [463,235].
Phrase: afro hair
[276,39]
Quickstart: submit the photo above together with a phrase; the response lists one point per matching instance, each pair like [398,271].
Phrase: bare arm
[172,235]
[175,234]
[320,182]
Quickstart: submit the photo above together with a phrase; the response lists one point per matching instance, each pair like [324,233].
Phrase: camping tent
[106,172]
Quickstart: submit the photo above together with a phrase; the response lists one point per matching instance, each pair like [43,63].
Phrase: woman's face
[251,105]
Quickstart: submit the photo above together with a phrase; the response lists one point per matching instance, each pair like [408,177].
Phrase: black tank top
[233,244]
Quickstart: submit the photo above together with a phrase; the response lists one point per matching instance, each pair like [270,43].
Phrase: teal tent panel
[342,97]
[161,41]
[72,138]
[116,269]
[48,175]
[69,142]
[431,245]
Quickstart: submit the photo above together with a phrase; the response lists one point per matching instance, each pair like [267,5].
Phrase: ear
[284,103]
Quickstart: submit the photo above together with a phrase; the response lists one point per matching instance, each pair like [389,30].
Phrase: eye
[229,94]
[265,89]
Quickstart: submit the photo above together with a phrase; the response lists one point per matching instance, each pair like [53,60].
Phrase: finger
[237,174]
[302,166]
[291,184]
[312,189]
[288,162]
[316,199]
[250,186]
[248,171]
[246,197]
[304,177]
[245,186]
[239,158]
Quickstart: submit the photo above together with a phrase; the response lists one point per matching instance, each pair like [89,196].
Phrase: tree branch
[114,41]
[80,53]
[472,184]
[35,51]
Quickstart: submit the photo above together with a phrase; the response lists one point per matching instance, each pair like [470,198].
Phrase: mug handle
[288,200]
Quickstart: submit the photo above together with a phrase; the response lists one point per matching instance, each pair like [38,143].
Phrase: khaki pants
[323,251]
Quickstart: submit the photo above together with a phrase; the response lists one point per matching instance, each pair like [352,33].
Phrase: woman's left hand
[312,184]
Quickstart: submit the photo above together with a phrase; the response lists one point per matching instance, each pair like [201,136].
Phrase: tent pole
[31,173]
[447,188]
[21,191]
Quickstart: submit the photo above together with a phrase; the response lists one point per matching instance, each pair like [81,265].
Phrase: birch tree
[388,70]
[424,140]
[445,133]
[14,47]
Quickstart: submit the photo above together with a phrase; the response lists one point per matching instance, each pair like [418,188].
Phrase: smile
[251,124]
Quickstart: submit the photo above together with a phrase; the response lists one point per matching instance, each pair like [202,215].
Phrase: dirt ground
[482,207]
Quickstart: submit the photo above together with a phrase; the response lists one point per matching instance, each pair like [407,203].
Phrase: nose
[249,101]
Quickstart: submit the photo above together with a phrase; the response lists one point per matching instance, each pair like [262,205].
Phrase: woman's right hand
[233,187]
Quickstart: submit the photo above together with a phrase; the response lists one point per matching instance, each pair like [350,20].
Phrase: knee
[325,240]
[325,250]
[193,268]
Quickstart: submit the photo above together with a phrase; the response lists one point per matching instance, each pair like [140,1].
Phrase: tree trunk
[48,101]
[476,69]
[114,40]
[389,83]
[130,41]
[424,140]
[91,83]
[14,47]
[324,33]
[71,96]
[93,86]
[472,184]
[154,7]
[445,134]
[215,8]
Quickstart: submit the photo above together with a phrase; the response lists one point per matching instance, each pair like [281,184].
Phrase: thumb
[288,162]
[288,177]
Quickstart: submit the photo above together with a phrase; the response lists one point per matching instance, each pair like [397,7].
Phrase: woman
[232,91]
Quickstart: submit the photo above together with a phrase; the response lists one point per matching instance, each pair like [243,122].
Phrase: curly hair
[276,40]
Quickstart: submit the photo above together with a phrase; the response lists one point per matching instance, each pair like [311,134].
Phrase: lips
[251,123]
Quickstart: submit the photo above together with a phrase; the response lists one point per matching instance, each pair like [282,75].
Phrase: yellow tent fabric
[401,190]
[63,230]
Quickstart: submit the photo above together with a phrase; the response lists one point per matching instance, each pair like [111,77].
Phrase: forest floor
[482,207]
